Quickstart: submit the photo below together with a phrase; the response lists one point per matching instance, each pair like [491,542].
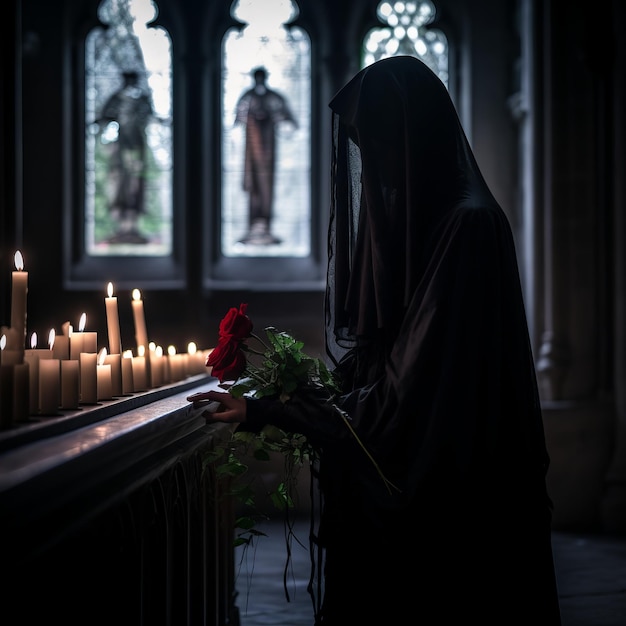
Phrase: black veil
[401,162]
[424,308]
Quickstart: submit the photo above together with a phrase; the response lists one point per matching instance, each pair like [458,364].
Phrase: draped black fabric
[425,323]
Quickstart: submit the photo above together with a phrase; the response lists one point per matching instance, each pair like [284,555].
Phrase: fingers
[229,416]
[220,406]
[206,398]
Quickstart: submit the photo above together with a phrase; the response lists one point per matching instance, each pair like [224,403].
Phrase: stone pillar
[614,501]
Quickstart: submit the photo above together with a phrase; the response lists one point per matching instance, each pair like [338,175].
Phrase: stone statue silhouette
[261,109]
[124,118]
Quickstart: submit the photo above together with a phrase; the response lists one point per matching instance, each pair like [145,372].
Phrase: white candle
[12,342]
[128,384]
[195,359]
[88,377]
[141,333]
[49,386]
[32,358]
[83,341]
[176,365]
[90,341]
[6,389]
[115,361]
[157,365]
[70,384]
[18,301]
[8,356]
[113,322]
[21,396]
[105,388]
[140,379]
[14,394]
[77,339]
[14,386]
[60,346]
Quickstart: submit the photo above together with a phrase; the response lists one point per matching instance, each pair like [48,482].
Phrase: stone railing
[108,516]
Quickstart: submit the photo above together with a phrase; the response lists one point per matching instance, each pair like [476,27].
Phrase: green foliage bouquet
[279,368]
[283,369]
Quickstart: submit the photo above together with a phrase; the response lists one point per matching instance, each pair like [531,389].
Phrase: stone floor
[591,574]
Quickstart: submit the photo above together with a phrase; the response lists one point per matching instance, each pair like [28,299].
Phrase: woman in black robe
[425,324]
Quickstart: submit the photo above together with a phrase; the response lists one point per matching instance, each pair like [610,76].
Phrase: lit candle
[60,346]
[6,388]
[176,365]
[157,365]
[83,341]
[113,322]
[128,384]
[12,342]
[88,377]
[90,340]
[49,385]
[70,384]
[141,334]
[77,339]
[10,356]
[32,358]
[105,389]
[21,395]
[115,361]
[14,386]
[195,359]
[140,381]
[18,301]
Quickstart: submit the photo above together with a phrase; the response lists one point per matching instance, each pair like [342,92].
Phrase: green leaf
[241,541]
[246,523]
[261,455]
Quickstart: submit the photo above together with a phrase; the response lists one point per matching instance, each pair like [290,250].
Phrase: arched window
[266,99]
[128,138]
[407,32]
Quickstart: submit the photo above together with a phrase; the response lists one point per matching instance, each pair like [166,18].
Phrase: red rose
[227,359]
[236,323]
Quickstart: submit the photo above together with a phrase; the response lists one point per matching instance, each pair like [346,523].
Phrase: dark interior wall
[50,36]
[574,151]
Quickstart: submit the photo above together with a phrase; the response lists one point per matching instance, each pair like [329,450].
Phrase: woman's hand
[221,406]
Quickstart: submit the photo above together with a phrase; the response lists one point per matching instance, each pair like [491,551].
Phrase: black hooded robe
[425,323]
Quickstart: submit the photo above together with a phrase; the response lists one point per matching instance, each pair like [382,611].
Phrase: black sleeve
[309,413]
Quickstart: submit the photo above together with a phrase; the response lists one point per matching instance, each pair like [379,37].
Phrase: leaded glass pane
[266,133]
[407,33]
[128,138]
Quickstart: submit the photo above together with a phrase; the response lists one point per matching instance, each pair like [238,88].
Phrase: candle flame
[136,294]
[102,356]
[127,354]
[33,340]
[158,351]
[51,338]
[141,351]
[152,346]
[110,290]
[83,321]
[3,342]
[192,348]
[19,261]
[171,350]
